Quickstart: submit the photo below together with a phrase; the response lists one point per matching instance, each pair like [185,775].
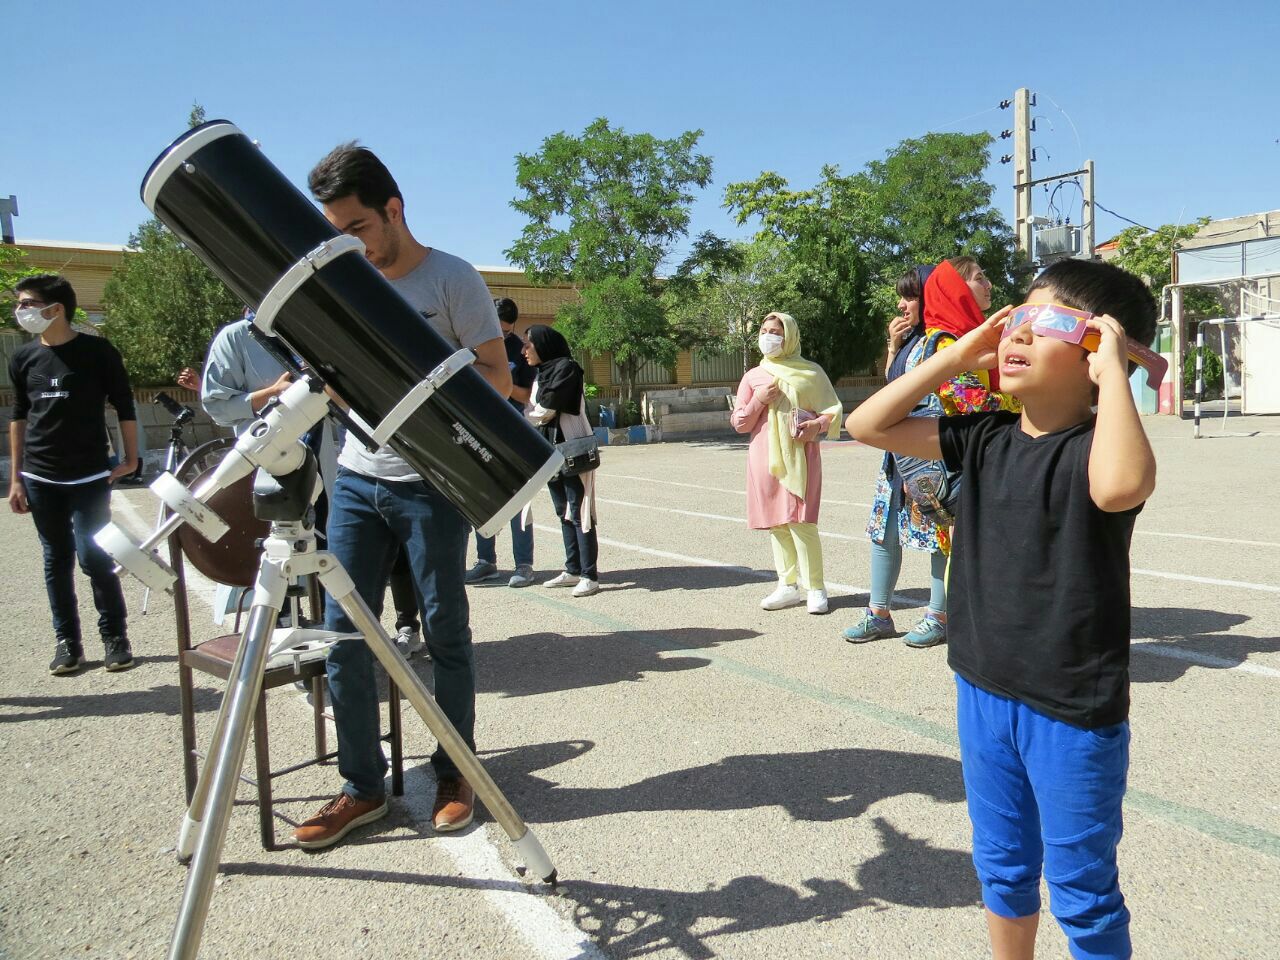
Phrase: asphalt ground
[711,780]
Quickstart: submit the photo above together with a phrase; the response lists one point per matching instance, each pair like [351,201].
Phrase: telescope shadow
[628,920]
[162,700]
[1187,638]
[535,663]
[819,786]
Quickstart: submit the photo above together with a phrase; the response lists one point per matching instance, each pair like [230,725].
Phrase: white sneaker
[817,601]
[586,588]
[409,641]
[564,579]
[787,595]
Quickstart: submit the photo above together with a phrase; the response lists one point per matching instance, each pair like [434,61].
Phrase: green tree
[849,237]
[12,269]
[163,304]
[722,290]
[605,210]
[1149,254]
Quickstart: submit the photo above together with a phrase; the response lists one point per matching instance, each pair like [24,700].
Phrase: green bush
[1212,373]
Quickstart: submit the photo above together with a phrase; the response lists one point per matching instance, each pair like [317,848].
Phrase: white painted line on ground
[699,486]
[1196,536]
[899,601]
[1241,584]
[474,854]
[1155,648]
[547,933]
[719,516]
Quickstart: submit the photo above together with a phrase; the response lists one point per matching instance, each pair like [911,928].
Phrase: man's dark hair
[1102,288]
[508,312]
[51,288]
[351,169]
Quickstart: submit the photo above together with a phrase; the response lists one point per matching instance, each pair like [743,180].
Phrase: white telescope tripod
[273,444]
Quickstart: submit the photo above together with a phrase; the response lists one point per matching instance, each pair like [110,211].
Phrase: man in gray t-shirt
[379,505]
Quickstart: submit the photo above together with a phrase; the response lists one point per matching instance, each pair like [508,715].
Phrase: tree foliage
[163,304]
[1149,254]
[12,269]
[722,290]
[605,210]
[849,237]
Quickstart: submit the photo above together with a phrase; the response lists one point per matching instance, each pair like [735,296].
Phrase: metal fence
[649,373]
[717,366]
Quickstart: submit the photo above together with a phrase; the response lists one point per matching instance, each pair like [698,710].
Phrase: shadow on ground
[634,921]
[534,663]
[1182,633]
[823,785]
[162,700]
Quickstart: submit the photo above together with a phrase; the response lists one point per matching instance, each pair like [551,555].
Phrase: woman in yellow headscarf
[787,404]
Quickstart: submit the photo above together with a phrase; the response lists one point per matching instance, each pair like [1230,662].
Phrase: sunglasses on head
[1071,326]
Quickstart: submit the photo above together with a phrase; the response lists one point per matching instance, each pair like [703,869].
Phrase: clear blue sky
[1177,108]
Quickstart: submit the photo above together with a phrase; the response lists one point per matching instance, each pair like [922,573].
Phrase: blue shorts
[1044,793]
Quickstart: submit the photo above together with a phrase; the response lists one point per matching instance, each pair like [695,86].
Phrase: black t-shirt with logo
[522,375]
[59,390]
[1038,593]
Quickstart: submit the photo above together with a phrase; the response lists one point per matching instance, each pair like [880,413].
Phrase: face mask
[32,319]
[770,344]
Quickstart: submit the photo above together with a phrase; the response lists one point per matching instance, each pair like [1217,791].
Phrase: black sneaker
[119,655]
[67,658]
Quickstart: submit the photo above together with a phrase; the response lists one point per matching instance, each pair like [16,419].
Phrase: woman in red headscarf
[955,297]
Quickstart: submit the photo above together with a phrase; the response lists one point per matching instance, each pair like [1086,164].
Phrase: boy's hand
[18,497]
[1111,356]
[977,349]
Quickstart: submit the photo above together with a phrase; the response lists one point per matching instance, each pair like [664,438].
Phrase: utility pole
[1087,241]
[1022,169]
[8,210]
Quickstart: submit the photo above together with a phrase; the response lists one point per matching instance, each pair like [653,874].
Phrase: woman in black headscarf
[559,411]
[893,523]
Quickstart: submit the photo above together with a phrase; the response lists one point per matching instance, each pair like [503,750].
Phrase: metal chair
[233,561]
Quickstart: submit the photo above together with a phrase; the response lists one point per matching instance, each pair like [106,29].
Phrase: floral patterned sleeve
[971,392]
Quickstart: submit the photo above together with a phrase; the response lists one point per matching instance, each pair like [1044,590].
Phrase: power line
[1122,217]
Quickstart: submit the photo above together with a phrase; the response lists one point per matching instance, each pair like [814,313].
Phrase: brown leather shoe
[336,819]
[455,805]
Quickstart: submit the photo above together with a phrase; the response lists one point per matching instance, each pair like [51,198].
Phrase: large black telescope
[313,289]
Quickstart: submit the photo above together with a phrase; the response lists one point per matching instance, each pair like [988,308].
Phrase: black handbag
[581,455]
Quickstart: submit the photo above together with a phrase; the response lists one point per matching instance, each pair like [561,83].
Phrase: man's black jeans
[66,517]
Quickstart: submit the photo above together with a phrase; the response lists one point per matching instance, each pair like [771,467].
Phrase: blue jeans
[66,518]
[580,546]
[1043,794]
[521,545]
[886,564]
[369,520]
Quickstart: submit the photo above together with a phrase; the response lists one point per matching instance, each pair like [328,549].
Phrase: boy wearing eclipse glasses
[1039,590]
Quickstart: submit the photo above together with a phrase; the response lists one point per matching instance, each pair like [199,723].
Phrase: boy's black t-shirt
[59,390]
[1038,594]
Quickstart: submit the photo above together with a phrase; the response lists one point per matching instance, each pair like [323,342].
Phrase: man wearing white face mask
[58,445]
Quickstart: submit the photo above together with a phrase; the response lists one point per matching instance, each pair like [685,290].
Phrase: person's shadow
[632,921]
[1186,638]
[534,663]
[821,785]
[162,700]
